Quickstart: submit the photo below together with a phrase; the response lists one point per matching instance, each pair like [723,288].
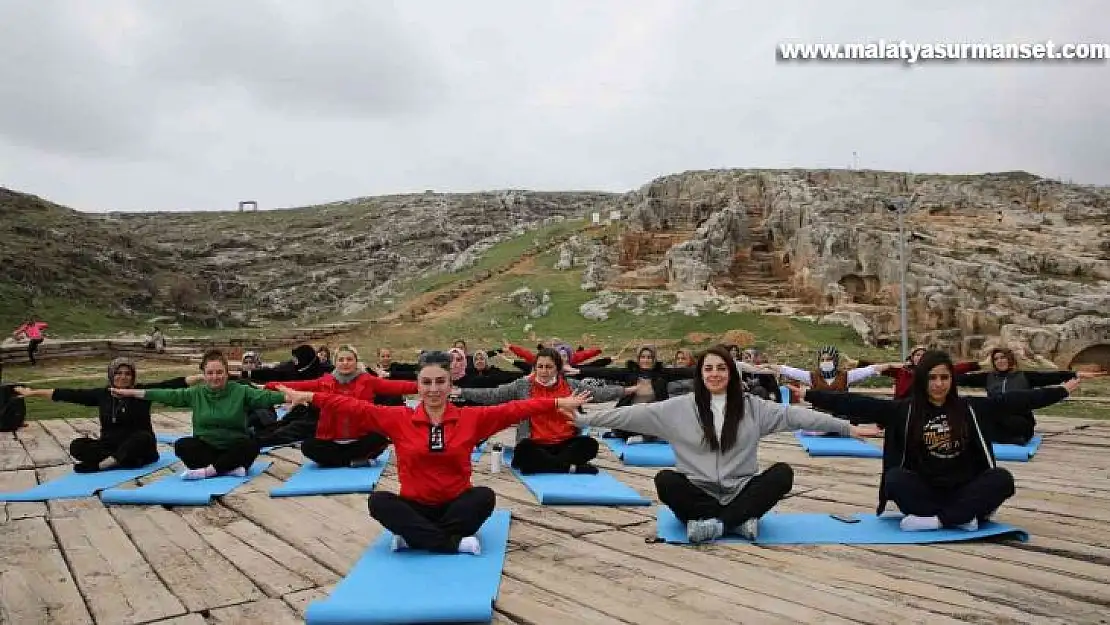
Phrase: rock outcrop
[222,268]
[984,253]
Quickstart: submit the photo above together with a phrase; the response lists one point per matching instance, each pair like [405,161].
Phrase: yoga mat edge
[77,485]
[171,490]
[821,529]
[388,587]
[311,480]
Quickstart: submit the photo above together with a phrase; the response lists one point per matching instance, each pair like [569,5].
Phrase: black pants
[532,457]
[433,528]
[977,499]
[624,435]
[759,495]
[197,454]
[33,347]
[332,454]
[132,451]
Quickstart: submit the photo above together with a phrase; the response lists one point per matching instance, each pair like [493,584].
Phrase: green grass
[788,340]
[501,254]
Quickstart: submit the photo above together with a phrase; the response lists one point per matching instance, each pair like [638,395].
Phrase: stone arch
[1093,354]
[862,289]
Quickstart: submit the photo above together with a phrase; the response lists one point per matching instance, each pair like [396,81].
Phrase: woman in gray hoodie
[716,487]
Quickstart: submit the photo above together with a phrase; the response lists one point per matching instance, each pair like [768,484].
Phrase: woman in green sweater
[220,444]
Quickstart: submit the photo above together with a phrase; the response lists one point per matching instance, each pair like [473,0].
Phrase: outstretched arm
[1014,402]
[776,417]
[175,397]
[652,419]
[79,396]
[361,416]
[517,389]
[861,407]
[493,419]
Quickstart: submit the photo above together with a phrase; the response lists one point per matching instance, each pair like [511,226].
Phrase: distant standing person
[33,331]
[156,340]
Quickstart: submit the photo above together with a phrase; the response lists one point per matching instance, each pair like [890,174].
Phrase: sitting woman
[1005,376]
[938,463]
[334,444]
[649,381]
[221,443]
[126,435]
[716,487]
[438,509]
[548,444]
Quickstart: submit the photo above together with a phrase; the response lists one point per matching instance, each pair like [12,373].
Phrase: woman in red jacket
[903,376]
[335,444]
[438,509]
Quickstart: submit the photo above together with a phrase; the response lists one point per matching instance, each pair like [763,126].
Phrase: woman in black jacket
[1005,376]
[938,463]
[647,374]
[126,435]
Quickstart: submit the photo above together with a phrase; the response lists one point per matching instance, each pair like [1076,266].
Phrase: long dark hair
[734,402]
[954,407]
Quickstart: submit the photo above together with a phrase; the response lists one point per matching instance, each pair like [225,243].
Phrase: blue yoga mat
[1017,453]
[168,438]
[75,485]
[172,490]
[821,529]
[642,454]
[419,587]
[310,479]
[562,489]
[840,446]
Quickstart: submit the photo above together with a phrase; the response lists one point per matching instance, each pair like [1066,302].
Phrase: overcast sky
[197,104]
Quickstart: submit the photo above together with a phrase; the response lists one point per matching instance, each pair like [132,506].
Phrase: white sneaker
[398,543]
[634,440]
[970,526]
[749,529]
[237,472]
[704,530]
[470,544]
[912,523]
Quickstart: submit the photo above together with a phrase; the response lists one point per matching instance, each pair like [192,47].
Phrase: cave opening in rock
[1097,355]
[862,289]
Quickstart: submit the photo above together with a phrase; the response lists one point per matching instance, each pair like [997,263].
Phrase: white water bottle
[495,458]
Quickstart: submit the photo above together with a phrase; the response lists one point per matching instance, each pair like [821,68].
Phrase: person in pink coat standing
[32,331]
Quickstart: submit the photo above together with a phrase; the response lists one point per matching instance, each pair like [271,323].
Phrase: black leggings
[532,457]
[433,528]
[978,499]
[33,347]
[328,453]
[197,454]
[759,495]
[132,451]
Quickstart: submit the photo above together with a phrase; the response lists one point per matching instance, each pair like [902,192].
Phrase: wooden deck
[253,559]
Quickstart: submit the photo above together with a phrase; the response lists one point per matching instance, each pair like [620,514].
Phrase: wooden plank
[299,601]
[268,611]
[41,446]
[329,535]
[525,603]
[188,619]
[268,574]
[119,584]
[12,454]
[197,574]
[35,584]
[280,551]
[12,481]
[623,588]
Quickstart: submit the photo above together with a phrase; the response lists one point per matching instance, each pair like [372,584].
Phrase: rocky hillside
[230,267]
[998,257]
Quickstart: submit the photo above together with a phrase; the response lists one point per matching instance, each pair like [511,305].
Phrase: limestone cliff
[988,255]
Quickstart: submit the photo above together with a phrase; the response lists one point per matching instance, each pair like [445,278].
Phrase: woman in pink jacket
[32,331]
